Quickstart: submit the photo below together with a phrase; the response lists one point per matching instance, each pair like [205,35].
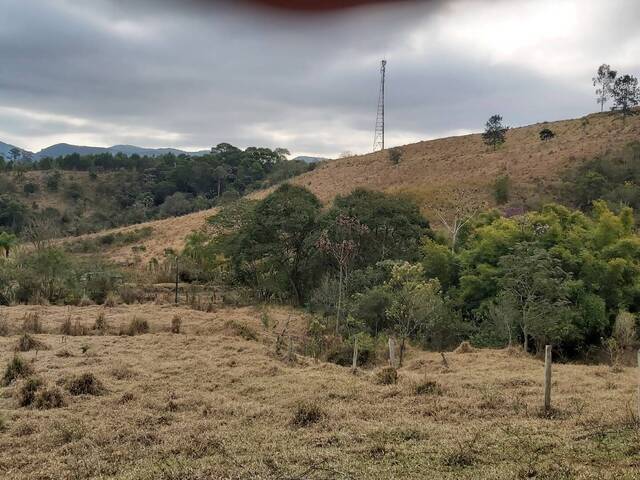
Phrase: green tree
[394,225]
[494,132]
[626,94]
[603,81]
[415,303]
[533,282]
[273,251]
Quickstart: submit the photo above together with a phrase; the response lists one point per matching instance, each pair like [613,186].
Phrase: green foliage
[395,155]
[626,94]
[16,368]
[395,226]
[613,177]
[272,252]
[546,134]
[494,133]
[501,188]
[133,189]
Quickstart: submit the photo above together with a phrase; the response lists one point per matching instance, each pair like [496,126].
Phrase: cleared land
[438,173]
[217,402]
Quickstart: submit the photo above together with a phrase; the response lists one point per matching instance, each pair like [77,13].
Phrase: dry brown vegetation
[437,173]
[213,402]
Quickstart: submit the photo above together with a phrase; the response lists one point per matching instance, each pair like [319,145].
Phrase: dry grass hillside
[443,172]
[216,401]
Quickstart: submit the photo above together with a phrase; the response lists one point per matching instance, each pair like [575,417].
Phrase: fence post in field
[291,355]
[547,378]
[392,352]
[354,364]
[639,385]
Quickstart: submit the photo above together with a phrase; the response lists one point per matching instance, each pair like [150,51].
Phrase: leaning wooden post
[354,364]
[392,352]
[291,354]
[547,378]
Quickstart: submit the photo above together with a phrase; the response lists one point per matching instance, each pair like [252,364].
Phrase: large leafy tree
[534,283]
[274,249]
[626,94]
[394,225]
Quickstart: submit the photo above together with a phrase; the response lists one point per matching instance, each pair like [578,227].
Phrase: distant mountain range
[62,149]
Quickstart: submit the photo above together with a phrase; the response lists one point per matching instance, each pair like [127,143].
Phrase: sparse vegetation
[137,326]
[306,414]
[16,368]
[85,384]
[176,324]
[501,189]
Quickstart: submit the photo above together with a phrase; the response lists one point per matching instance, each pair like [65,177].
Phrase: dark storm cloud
[192,74]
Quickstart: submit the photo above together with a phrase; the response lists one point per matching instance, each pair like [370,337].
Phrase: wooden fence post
[354,364]
[547,378]
[392,352]
[638,385]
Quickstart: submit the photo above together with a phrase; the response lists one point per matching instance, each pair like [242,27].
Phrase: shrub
[100,323]
[427,387]
[624,330]
[306,413]
[26,393]
[387,376]
[242,330]
[26,342]
[501,189]
[176,324]
[395,155]
[111,300]
[85,384]
[546,134]
[16,368]
[131,295]
[31,323]
[137,326]
[49,397]
[66,328]
[4,327]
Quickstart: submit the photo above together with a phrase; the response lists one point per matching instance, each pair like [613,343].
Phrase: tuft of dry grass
[464,347]
[176,324]
[31,323]
[137,326]
[16,368]
[85,384]
[306,413]
[387,376]
[26,343]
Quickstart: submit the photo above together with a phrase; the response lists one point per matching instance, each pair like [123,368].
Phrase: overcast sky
[157,73]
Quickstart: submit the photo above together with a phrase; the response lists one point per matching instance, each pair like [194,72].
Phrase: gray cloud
[158,74]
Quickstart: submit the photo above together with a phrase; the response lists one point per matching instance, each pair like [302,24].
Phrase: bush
[49,397]
[624,330]
[16,368]
[137,327]
[427,387]
[241,329]
[176,324]
[395,155]
[546,134]
[306,413]
[75,329]
[85,384]
[100,323]
[4,327]
[387,376]
[26,342]
[501,189]
[130,295]
[31,323]
[26,393]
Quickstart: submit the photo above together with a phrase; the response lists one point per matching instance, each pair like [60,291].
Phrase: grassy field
[216,401]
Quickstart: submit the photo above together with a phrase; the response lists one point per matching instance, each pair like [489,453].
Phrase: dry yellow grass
[436,172]
[209,404]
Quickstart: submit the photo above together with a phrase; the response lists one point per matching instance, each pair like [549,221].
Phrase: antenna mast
[378,140]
